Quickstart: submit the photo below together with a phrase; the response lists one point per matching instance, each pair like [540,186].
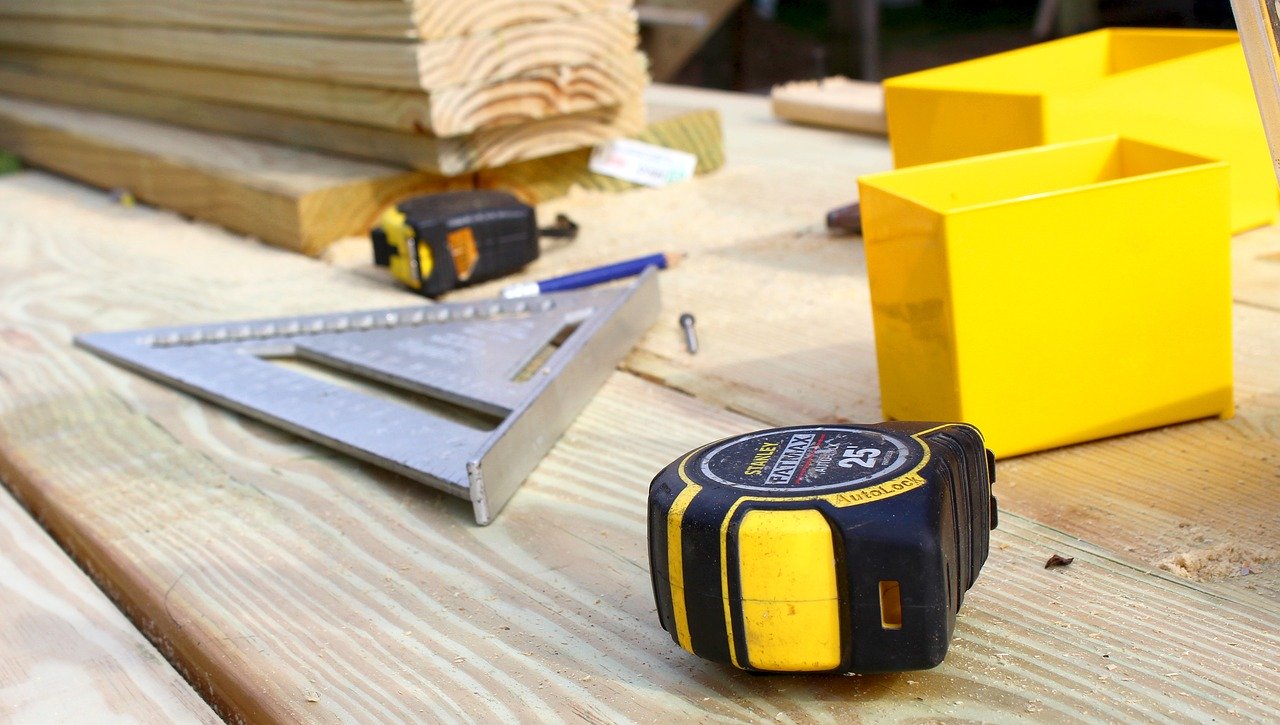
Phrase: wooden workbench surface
[285,582]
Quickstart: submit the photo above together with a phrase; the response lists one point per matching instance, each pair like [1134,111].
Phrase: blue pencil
[589,277]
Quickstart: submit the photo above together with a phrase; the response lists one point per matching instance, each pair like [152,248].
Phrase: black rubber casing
[932,537]
[504,231]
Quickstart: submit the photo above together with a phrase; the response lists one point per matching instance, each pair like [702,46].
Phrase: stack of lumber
[441,86]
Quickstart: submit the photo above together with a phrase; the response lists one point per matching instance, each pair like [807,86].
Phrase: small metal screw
[690,335]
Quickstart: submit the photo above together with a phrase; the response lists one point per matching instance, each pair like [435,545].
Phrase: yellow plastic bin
[1052,295]
[1185,89]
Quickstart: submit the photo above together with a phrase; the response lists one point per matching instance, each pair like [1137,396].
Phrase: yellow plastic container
[1052,295]
[1184,89]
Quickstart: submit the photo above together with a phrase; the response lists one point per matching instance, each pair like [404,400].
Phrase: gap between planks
[67,653]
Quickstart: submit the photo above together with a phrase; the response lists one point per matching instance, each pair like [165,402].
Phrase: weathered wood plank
[450,156]
[295,199]
[66,653]
[298,584]
[450,111]
[490,56]
[421,19]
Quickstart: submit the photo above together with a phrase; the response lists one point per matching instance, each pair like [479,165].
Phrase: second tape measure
[823,548]
[439,242]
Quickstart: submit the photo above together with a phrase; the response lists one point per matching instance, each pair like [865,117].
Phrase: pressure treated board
[290,198]
[423,19]
[694,131]
[448,111]
[297,585]
[66,653]
[835,102]
[489,56]
[449,156]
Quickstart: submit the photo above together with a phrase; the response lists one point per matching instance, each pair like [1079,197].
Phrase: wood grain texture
[421,19]
[835,102]
[450,111]
[293,584]
[66,653]
[509,52]
[449,156]
[694,131]
[1255,268]
[290,198]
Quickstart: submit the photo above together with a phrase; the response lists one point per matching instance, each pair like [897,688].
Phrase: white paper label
[642,163]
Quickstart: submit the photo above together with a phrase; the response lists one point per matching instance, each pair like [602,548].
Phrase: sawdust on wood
[1218,562]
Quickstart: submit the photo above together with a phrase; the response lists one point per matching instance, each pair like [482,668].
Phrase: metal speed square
[464,397]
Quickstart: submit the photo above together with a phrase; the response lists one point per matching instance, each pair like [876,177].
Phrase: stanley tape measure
[822,548]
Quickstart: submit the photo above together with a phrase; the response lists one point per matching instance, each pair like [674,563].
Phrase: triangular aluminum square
[495,359]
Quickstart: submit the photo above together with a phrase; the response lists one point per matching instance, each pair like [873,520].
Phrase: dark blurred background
[752,45]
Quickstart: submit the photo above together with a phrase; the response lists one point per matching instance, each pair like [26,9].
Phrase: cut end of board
[835,102]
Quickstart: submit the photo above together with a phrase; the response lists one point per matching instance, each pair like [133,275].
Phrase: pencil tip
[674,258]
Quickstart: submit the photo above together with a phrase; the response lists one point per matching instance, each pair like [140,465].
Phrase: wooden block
[449,156]
[290,198]
[301,585]
[67,653]
[507,52]
[834,103]
[421,19]
[696,131]
[449,111]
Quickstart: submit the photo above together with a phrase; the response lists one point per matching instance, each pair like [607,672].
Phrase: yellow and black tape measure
[822,548]
[439,242]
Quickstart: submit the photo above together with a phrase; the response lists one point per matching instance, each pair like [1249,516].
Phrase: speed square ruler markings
[501,379]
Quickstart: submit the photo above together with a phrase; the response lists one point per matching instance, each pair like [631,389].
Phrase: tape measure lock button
[826,548]
[790,593]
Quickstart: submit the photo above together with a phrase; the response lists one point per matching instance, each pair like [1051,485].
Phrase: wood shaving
[1218,562]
